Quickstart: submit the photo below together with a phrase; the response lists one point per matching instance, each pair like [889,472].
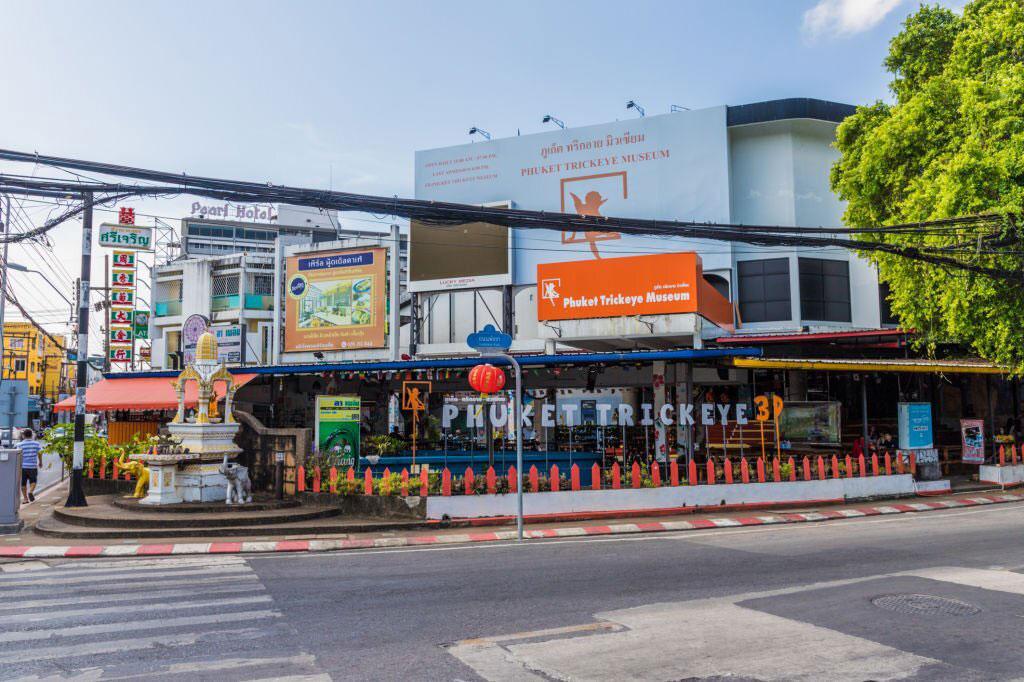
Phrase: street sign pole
[490,342]
[518,411]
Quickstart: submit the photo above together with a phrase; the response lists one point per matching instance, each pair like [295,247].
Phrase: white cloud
[845,17]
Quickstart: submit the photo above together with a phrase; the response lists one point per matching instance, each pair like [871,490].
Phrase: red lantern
[487,378]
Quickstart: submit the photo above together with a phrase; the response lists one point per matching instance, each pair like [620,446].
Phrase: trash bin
[10,496]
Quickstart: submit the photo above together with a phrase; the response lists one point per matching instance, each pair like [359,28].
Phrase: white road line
[299,660]
[143,596]
[148,607]
[89,577]
[121,586]
[37,653]
[147,562]
[131,626]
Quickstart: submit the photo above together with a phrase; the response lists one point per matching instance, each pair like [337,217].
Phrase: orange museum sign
[660,284]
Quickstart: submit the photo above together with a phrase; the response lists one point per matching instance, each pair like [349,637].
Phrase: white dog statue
[239,487]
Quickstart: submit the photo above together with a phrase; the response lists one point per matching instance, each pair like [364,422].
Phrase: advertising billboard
[230,341]
[972,439]
[811,422]
[337,428]
[444,257]
[663,284]
[915,425]
[673,166]
[336,300]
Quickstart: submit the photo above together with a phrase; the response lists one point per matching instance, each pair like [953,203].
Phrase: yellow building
[31,355]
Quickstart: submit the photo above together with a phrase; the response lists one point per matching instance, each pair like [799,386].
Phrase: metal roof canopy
[690,355]
[872,365]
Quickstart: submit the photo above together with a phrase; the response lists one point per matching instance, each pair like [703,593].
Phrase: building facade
[758,164]
[30,355]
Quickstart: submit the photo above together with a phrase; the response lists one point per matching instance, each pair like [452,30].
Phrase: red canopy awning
[142,393]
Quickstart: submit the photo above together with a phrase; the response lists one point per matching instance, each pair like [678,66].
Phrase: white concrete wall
[1011,474]
[629,499]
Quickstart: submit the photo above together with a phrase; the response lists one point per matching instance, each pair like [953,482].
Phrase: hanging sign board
[140,326]
[230,340]
[121,354]
[120,335]
[122,278]
[121,316]
[126,236]
[915,426]
[337,428]
[144,353]
[124,259]
[972,438]
[122,297]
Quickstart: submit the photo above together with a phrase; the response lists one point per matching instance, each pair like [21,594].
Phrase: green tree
[951,145]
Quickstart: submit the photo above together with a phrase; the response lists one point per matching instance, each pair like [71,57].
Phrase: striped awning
[872,365]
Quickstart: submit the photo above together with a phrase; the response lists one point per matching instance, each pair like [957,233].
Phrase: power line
[443,213]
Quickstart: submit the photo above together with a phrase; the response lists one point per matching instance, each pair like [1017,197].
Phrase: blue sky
[341,94]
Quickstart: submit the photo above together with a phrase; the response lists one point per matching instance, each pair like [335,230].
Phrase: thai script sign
[336,300]
[337,428]
[126,236]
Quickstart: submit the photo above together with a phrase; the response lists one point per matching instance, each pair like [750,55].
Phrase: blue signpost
[491,342]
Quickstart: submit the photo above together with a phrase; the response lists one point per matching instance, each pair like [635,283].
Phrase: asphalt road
[935,596]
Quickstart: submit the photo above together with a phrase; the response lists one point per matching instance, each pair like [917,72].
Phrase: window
[19,364]
[764,290]
[884,308]
[225,285]
[262,285]
[824,290]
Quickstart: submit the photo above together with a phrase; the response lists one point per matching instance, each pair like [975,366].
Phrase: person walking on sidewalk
[30,449]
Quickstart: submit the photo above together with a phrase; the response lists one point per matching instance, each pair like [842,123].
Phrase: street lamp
[22,268]
[480,131]
[548,118]
[675,109]
[633,105]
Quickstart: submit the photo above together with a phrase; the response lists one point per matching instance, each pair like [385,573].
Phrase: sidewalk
[30,545]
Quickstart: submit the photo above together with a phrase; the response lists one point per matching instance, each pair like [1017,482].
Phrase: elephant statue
[139,471]
[239,487]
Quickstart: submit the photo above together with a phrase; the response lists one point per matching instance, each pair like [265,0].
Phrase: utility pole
[5,219]
[76,496]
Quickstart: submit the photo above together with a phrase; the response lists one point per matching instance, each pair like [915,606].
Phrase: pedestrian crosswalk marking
[77,620]
[115,586]
[63,614]
[135,625]
[150,596]
[109,646]
[134,575]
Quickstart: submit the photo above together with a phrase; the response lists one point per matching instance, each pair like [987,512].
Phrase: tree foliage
[951,145]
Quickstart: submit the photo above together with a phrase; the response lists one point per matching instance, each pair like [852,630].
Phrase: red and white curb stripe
[55,552]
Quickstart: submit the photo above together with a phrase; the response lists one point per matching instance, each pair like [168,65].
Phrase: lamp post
[548,118]
[639,109]
[480,131]
[21,268]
